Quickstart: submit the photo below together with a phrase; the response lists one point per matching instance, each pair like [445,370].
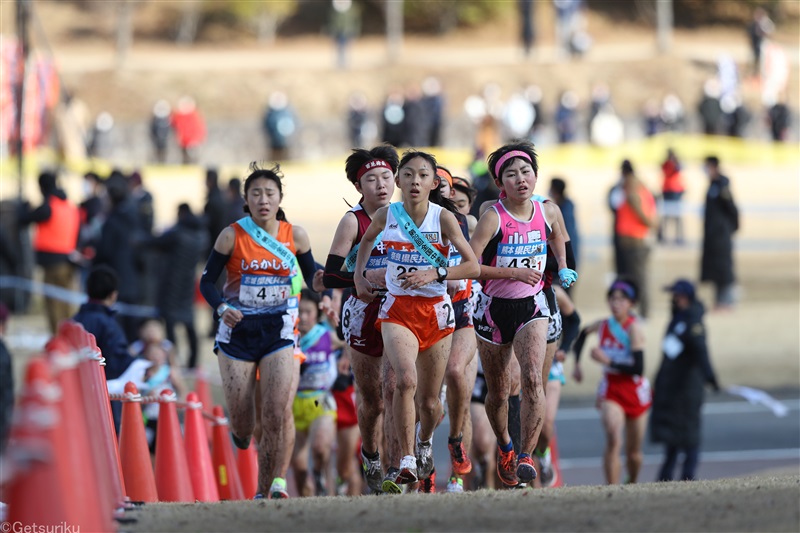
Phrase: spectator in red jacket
[190,128]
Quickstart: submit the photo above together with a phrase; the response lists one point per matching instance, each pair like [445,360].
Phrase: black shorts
[462,309]
[554,323]
[480,389]
[358,325]
[497,320]
[258,336]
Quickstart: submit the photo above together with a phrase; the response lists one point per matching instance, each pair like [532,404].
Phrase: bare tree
[394,29]
[190,22]
[124,30]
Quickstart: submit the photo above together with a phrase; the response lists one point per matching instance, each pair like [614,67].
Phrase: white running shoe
[408,470]
[424,455]
[373,472]
[456,484]
[548,473]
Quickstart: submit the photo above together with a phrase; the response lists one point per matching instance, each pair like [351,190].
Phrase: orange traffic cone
[203,390]
[137,470]
[172,470]
[84,473]
[228,483]
[38,464]
[247,463]
[197,452]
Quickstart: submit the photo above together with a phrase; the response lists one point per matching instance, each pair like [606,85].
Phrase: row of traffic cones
[64,463]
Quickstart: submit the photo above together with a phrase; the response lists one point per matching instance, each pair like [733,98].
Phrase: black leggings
[690,459]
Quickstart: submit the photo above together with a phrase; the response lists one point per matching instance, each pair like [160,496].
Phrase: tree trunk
[187,30]
[394,29]
[664,24]
[266,26]
[124,31]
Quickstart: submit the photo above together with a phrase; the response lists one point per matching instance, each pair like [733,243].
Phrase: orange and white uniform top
[257,280]
[402,256]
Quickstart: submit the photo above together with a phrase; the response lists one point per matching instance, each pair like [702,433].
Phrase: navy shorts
[497,320]
[462,310]
[257,336]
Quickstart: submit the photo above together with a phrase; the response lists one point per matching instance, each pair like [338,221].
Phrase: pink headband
[369,165]
[506,157]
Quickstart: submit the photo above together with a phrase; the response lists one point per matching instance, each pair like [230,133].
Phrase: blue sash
[312,337]
[271,244]
[159,378]
[350,260]
[425,248]
[619,333]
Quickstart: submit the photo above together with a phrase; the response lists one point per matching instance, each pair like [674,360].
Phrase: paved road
[738,439]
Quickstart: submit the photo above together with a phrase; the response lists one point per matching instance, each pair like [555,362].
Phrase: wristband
[224,306]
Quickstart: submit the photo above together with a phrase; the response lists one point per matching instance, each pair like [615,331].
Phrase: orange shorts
[429,319]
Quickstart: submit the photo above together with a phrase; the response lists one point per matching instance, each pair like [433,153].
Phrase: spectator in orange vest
[55,238]
[190,128]
[636,215]
[671,192]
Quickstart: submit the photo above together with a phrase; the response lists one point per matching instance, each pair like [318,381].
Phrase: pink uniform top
[516,244]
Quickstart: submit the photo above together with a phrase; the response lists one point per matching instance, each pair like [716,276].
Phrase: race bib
[445,316]
[264,291]
[532,255]
[400,262]
[290,318]
[455,260]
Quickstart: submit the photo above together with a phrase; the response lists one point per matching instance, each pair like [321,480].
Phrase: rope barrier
[128,397]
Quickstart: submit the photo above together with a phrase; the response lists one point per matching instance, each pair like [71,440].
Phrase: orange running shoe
[428,485]
[526,472]
[506,467]
[462,464]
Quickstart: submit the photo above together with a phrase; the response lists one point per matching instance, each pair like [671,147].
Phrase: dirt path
[750,504]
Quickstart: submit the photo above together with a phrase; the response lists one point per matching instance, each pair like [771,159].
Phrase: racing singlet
[516,244]
[615,348]
[319,371]
[377,258]
[257,280]
[403,257]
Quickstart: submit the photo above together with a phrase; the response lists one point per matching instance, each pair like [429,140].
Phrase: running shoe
[428,485]
[547,472]
[526,472]
[390,485]
[408,470]
[320,488]
[461,462]
[373,472]
[242,444]
[258,496]
[506,463]
[455,484]
[424,456]
[278,489]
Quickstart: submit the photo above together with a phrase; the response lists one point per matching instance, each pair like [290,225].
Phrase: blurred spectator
[775,70]
[92,215]
[635,216]
[735,116]
[534,95]
[100,137]
[393,119]
[601,97]
[116,247]
[143,201]
[280,125]
[234,202]
[728,75]
[709,107]
[678,392]
[652,118]
[606,129]
[614,199]
[55,241]
[356,119]
[215,209]
[160,130]
[72,123]
[672,113]
[190,129]
[558,194]
[416,122]
[567,117]
[344,24]
[671,193]
[146,268]
[518,117]
[6,383]
[97,317]
[778,118]
[181,247]
[482,181]
[721,221]
[567,13]
[433,104]
[758,28]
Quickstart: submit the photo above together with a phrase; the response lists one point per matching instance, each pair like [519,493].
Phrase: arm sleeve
[214,266]
[572,324]
[636,369]
[335,277]
[309,267]
[40,214]
[552,265]
[579,345]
